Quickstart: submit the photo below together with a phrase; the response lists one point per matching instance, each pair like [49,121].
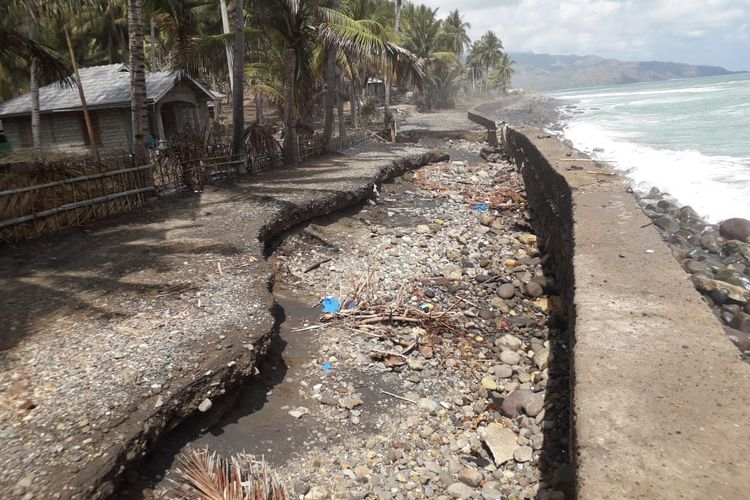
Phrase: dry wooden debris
[204,475]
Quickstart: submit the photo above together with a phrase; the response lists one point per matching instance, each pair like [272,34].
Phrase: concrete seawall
[660,405]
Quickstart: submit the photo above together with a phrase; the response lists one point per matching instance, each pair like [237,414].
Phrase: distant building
[375,89]
[174,101]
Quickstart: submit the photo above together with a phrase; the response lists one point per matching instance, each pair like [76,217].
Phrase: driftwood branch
[316,265]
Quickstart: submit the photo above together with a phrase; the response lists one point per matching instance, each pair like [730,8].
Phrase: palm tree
[472,62]
[487,52]
[33,80]
[386,80]
[138,112]
[424,36]
[506,70]
[331,91]
[238,90]
[305,26]
[421,30]
[16,48]
[455,33]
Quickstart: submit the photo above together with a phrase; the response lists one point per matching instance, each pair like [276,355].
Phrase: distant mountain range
[555,72]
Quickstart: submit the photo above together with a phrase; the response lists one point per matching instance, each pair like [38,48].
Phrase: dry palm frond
[204,475]
[259,141]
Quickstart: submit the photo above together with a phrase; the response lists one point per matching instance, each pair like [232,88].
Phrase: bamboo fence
[43,198]
[46,198]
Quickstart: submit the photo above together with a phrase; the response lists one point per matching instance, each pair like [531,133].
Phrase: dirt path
[114,333]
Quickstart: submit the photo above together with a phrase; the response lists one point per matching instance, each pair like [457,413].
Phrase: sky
[713,32]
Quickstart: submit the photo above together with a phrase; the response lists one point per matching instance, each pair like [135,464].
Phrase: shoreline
[700,247]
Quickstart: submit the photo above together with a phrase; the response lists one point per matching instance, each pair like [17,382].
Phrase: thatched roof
[105,87]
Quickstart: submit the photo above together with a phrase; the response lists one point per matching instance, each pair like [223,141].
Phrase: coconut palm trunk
[258,109]
[238,90]
[36,137]
[291,152]
[340,106]
[138,112]
[329,98]
[330,95]
[354,100]
[397,29]
[228,50]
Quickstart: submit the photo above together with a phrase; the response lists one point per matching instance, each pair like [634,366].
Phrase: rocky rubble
[717,256]
[466,396]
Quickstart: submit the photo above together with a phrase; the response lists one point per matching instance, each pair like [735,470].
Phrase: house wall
[60,132]
[66,132]
[14,133]
[185,93]
[114,129]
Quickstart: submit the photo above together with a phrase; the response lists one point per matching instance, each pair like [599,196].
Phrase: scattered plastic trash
[331,304]
[650,251]
[426,307]
[481,207]
[327,367]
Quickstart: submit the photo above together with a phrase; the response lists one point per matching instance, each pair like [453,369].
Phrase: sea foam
[717,187]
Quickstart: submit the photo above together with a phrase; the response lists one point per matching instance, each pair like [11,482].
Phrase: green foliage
[427,53]
[486,57]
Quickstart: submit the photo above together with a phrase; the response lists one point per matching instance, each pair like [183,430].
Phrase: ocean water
[690,138]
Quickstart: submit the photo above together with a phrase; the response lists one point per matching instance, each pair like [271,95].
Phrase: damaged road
[114,334]
[441,368]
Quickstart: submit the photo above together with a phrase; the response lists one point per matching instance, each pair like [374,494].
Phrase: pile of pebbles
[716,255]
[476,411]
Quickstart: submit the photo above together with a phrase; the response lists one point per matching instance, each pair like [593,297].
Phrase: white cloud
[694,31]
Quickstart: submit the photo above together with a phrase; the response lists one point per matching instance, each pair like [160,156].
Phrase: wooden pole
[79,84]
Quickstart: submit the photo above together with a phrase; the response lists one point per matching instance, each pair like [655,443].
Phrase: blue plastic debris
[331,304]
[426,307]
[481,207]
[351,304]
[327,367]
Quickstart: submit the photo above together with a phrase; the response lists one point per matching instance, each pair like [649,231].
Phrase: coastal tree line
[299,56]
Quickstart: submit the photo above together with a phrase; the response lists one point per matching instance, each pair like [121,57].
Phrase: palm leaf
[50,66]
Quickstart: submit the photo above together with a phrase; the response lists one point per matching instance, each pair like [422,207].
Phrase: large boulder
[736,229]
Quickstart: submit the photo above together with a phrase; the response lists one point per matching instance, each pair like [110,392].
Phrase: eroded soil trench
[444,375]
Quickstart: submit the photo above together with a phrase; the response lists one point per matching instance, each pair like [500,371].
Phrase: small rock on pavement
[470,477]
[527,239]
[541,359]
[522,399]
[502,371]
[452,272]
[299,412]
[523,454]
[510,357]
[428,404]
[511,341]
[317,493]
[205,405]
[534,289]
[500,305]
[505,291]
[25,482]
[460,490]
[301,488]
[501,441]
[489,383]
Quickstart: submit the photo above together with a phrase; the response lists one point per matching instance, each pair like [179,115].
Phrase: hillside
[553,72]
